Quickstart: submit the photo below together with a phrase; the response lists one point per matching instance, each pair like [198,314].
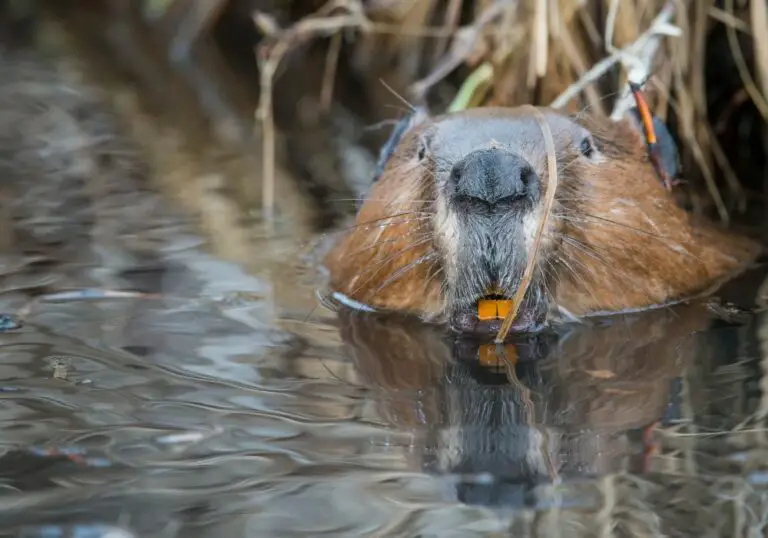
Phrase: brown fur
[375,261]
[644,249]
[630,247]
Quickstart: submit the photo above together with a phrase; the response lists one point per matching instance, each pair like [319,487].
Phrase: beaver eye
[425,143]
[586,147]
[422,150]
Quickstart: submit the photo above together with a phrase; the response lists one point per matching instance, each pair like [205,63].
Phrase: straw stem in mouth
[549,200]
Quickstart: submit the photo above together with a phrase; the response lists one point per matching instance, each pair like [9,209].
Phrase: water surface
[230,406]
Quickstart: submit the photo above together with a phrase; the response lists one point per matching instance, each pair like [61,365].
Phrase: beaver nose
[493,177]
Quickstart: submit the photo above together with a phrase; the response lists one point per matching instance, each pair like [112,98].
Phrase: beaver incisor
[455,211]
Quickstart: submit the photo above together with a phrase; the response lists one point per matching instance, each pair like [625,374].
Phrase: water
[223,407]
[226,402]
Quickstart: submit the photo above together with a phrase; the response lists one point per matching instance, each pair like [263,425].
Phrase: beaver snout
[493,179]
[491,196]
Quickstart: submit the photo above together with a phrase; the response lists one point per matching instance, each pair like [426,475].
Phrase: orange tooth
[487,309]
[488,358]
[503,307]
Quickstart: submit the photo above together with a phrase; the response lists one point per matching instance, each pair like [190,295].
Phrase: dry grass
[571,54]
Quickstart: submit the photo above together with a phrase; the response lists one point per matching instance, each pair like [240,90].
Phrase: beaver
[454,212]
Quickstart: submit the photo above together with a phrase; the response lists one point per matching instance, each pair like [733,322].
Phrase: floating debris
[76,531]
[75,454]
[9,323]
[94,293]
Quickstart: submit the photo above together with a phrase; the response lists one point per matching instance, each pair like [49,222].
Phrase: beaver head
[452,217]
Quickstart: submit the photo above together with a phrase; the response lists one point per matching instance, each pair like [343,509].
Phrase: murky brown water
[218,410]
[230,403]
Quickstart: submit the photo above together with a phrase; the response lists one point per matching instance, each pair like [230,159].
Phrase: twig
[725,18]
[323,23]
[759,17]
[728,172]
[329,77]
[284,40]
[640,58]
[525,281]
[610,24]
[741,65]
[633,55]
[267,70]
[589,27]
[571,50]
[463,44]
[686,115]
[540,51]
[450,22]
[480,78]
[698,55]
[269,60]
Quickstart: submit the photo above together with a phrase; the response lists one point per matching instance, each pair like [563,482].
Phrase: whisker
[567,164]
[588,108]
[402,99]
[588,250]
[382,263]
[403,271]
[381,200]
[547,276]
[432,278]
[587,216]
[380,124]
[422,234]
[581,196]
[377,222]
[577,277]
[391,257]
[665,241]
[399,108]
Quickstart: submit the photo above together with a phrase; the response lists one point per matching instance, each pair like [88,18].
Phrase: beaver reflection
[561,406]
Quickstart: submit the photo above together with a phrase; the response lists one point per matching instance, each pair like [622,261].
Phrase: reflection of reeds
[709,472]
[706,474]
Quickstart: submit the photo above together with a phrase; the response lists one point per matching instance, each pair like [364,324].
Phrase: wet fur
[616,241]
[388,257]
[629,246]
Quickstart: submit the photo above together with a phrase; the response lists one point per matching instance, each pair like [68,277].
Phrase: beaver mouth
[487,314]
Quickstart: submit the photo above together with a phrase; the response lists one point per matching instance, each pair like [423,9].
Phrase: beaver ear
[413,119]
[665,143]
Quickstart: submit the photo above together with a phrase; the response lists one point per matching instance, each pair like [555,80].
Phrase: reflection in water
[548,408]
[195,414]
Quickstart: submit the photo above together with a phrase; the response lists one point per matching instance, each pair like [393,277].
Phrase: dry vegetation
[323,74]
[707,60]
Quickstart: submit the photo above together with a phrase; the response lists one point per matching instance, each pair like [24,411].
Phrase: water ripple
[199,413]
